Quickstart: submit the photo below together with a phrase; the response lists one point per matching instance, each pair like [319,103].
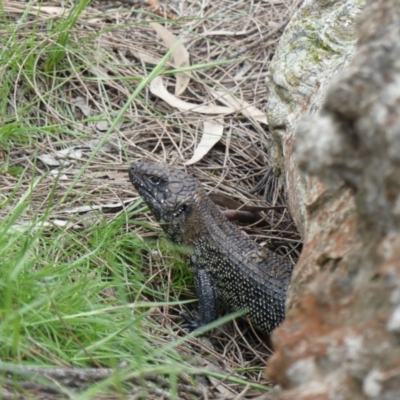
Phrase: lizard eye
[154,180]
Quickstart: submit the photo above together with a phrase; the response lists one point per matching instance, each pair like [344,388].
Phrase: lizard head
[169,193]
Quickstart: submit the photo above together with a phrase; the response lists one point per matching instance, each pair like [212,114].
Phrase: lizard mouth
[141,187]
[138,183]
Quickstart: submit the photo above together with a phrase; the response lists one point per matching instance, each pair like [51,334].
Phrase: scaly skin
[228,267]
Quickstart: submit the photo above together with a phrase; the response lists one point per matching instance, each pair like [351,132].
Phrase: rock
[341,164]
[319,41]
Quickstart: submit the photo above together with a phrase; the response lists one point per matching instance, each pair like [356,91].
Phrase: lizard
[228,267]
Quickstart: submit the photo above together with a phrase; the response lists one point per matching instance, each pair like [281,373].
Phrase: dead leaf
[212,133]
[71,152]
[108,146]
[158,89]
[44,224]
[53,11]
[80,102]
[224,33]
[102,126]
[48,159]
[58,222]
[180,56]
[81,209]
[242,106]
[45,12]
[56,174]
[110,175]
[274,2]
[13,6]
[145,57]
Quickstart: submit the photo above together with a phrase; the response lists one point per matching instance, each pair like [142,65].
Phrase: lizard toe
[190,323]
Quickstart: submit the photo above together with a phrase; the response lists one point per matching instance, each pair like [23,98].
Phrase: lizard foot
[191,324]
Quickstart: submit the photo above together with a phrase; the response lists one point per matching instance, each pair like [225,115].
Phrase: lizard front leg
[208,300]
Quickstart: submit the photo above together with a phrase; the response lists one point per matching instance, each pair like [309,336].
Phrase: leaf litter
[221,47]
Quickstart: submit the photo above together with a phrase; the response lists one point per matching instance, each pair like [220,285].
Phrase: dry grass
[77,105]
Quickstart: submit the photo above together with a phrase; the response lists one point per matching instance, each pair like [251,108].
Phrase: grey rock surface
[317,43]
[340,339]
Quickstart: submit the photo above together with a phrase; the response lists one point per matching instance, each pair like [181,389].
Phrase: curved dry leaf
[81,209]
[158,89]
[242,106]
[224,33]
[182,82]
[45,11]
[48,159]
[54,11]
[74,153]
[145,57]
[56,173]
[180,56]
[81,103]
[212,133]
[102,126]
